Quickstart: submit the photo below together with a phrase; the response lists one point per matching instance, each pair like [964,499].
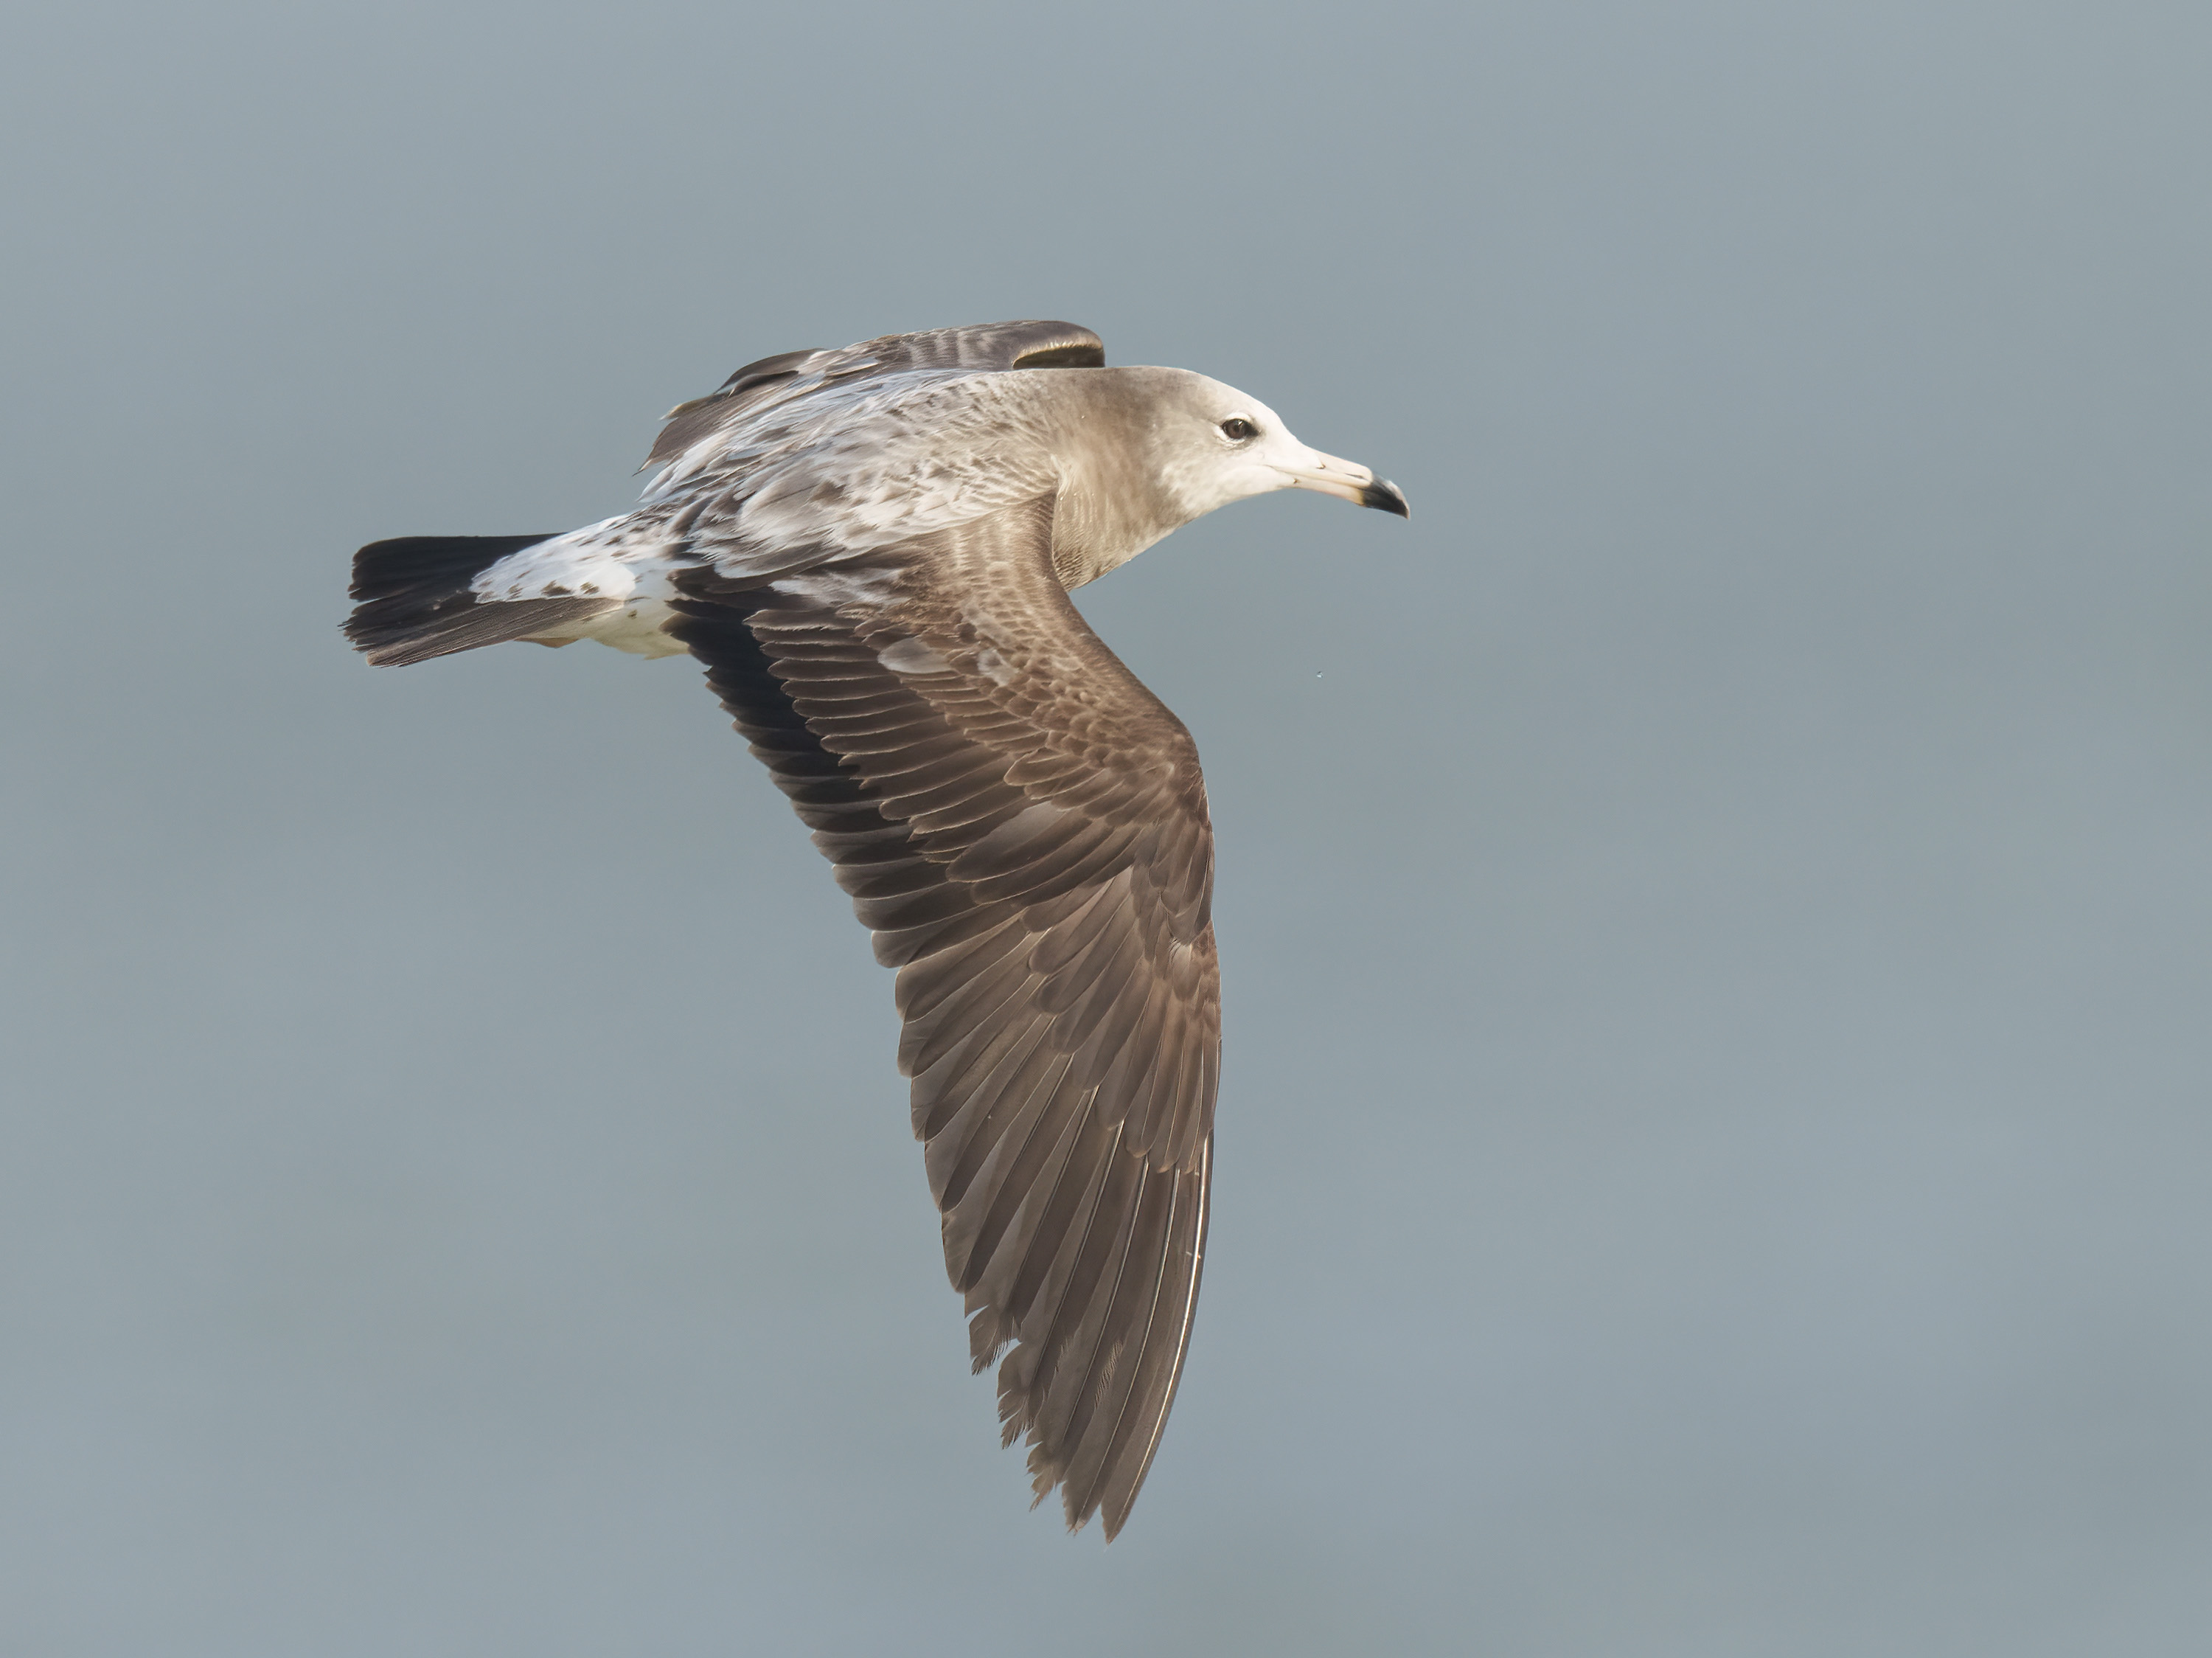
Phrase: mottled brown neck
[1112,503]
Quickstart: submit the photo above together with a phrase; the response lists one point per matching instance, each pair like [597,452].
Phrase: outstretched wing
[1023,827]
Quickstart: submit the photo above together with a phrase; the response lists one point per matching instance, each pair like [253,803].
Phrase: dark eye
[1237,429]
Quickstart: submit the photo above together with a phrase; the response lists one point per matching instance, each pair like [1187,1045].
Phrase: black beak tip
[1387,495]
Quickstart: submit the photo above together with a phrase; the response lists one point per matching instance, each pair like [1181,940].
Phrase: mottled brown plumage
[1022,825]
[870,550]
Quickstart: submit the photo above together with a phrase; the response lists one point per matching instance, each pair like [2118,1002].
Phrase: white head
[1141,452]
[1211,444]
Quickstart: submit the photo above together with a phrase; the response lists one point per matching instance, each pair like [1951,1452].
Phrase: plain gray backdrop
[1718,1115]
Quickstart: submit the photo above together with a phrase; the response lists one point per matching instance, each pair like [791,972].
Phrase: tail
[415,600]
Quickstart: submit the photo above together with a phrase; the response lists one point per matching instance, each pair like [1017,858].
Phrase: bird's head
[1211,444]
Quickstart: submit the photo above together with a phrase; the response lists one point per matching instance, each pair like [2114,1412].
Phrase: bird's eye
[1237,429]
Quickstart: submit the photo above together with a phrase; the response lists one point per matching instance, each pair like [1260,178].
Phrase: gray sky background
[1715,1142]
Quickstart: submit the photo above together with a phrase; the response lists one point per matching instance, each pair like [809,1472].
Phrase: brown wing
[1023,827]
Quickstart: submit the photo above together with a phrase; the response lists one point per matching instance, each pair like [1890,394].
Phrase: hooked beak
[1347,480]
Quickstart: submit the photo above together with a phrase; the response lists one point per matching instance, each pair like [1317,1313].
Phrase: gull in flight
[870,550]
